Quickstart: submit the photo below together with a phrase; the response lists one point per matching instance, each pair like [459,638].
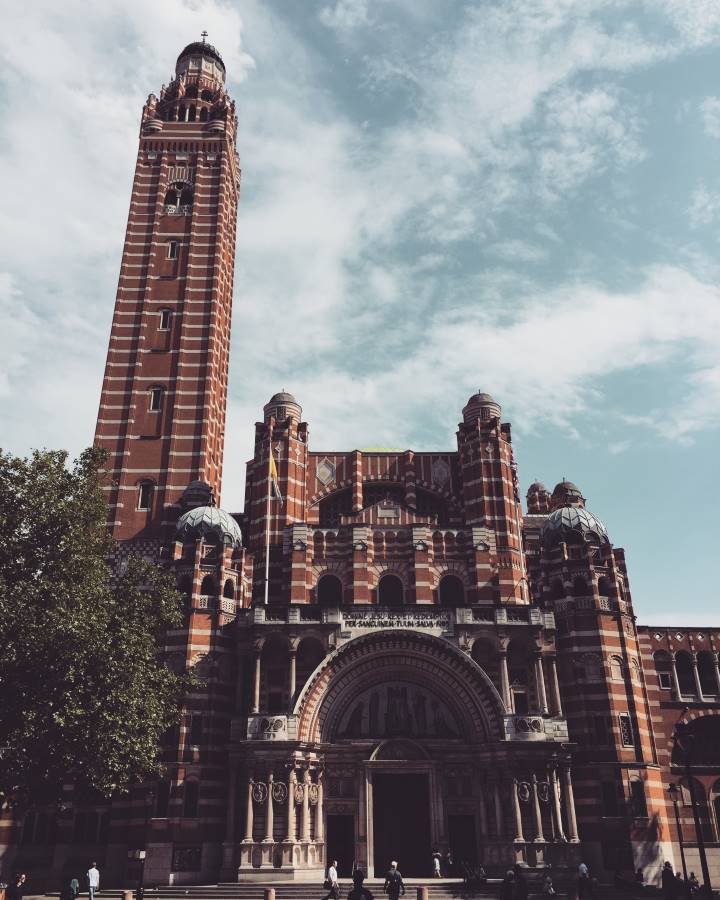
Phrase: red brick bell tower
[162,408]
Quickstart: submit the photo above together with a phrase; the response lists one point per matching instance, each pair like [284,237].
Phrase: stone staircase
[438,889]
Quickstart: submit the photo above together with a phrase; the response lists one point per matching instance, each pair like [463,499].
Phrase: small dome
[283,397]
[200,48]
[567,494]
[282,406]
[197,493]
[573,521]
[480,406]
[536,487]
[209,521]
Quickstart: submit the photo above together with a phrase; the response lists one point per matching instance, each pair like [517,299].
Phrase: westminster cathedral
[397,653]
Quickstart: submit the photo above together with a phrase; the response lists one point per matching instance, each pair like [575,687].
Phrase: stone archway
[403,667]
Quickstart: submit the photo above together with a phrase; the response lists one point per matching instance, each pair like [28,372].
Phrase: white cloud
[710,112]
[704,206]
[346,15]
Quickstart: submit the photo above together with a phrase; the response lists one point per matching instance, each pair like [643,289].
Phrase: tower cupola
[282,406]
[566,494]
[480,406]
[200,58]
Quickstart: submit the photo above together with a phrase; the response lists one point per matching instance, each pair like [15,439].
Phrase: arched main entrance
[389,709]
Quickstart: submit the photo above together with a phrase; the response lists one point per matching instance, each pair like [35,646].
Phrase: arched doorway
[390,591]
[409,698]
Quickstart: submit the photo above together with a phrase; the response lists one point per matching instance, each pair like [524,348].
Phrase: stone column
[256,684]
[292,685]
[696,676]
[249,812]
[557,811]
[557,700]
[676,682]
[516,809]
[305,829]
[539,836]
[269,812]
[540,684]
[292,784]
[319,823]
[717,673]
[499,819]
[505,682]
[570,805]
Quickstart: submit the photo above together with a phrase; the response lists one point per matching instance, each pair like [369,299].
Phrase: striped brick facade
[417,623]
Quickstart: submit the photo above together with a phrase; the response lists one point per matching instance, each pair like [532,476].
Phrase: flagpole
[267,523]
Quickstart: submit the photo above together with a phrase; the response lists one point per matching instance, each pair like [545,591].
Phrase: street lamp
[142,854]
[685,741]
[674,792]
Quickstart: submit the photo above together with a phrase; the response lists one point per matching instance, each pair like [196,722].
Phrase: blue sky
[520,196]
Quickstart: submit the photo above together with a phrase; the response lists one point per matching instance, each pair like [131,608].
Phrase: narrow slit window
[172,250]
[145,493]
[156,395]
[165,316]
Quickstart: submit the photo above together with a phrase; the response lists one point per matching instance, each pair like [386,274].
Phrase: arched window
[206,95]
[592,667]
[329,591]
[191,114]
[275,678]
[390,591]
[171,197]
[145,495]
[156,399]
[451,591]
[229,589]
[617,668]
[603,586]
[203,114]
[557,589]
[706,671]
[181,113]
[162,799]
[171,113]
[186,198]
[580,587]
[191,92]
[207,588]
[702,807]
[310,654]
[686,678]
[185,585]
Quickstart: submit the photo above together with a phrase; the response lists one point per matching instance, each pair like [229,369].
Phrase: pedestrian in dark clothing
[359,892]
[507,886]
[668,882]
[394,884]
[16,889]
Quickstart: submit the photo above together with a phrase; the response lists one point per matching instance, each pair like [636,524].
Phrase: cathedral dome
[480,406]
[200,48]
[573,522]
[209,521]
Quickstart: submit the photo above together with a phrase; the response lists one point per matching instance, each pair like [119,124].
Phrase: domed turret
[197,493]
[538,499]
[480,406]
[567,494]
[282,406]
[200,58]
[573,524]
[209,521]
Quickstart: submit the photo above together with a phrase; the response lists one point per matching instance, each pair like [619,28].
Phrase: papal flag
[274,484]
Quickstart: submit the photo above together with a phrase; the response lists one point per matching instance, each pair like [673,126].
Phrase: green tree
[84,691]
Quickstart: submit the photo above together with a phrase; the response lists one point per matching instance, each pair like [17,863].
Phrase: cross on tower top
[203,35]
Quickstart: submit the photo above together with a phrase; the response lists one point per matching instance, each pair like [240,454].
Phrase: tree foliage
[84,691]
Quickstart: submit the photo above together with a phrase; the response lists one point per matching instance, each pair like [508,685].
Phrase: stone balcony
[535,727]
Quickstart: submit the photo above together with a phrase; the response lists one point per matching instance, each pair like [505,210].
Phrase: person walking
[74,887]
[93,879]
[16,889]
[359,892]
[668,882]
[585,888]
[332,882]
[394,884]
[508,886]
[436,864]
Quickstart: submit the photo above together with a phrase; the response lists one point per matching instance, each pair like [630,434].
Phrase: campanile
[164,393]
